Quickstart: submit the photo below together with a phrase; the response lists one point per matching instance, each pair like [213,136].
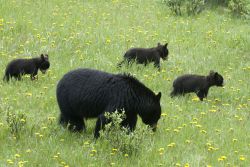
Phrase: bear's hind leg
[76,124]
[173,93]
[73,123]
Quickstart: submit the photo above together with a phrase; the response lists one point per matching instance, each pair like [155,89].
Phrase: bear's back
[101,88]
[19,64]
[190,82]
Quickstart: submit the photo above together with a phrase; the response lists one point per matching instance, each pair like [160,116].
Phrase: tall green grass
[95,34]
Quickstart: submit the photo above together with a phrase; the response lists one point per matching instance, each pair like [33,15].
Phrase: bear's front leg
[18,77]
[100,123]
[34,75]
[205,93]
[201,95]
[157,64]
[130,123]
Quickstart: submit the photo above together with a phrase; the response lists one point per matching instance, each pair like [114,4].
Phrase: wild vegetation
[96,34]
[239,8]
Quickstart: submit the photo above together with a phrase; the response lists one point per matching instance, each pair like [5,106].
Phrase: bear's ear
[159,44]
[158,96]
[42,56]
[46,57]
[166,45]
[215,75]
[211,73]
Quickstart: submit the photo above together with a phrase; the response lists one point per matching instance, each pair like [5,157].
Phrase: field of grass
[95,34]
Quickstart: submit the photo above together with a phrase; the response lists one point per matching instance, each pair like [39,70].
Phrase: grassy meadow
[95,34]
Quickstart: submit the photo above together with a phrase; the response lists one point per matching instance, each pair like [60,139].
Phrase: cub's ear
[159,44]
[158,96]
[42,56]
[46,57]
[166,45]
[211,72]
[215,75]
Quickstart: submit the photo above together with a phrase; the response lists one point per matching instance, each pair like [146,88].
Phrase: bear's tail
[6,77]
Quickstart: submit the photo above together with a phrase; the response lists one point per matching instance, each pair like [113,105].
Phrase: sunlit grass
[96,34]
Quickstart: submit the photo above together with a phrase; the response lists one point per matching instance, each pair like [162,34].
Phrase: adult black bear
[196,83]
[18,67]
[146,55]
[87,93]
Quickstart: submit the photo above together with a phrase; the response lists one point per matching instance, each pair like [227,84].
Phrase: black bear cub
[146,55]
[18,67]
[196,83]
[87,93]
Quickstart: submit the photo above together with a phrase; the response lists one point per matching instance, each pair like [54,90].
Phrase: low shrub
[189,7]
[16,123]
[240,7]
[121,138]
[194,7]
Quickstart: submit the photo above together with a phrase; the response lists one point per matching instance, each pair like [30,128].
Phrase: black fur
[86,93]
[196,83]
[18,67]
[146,55]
